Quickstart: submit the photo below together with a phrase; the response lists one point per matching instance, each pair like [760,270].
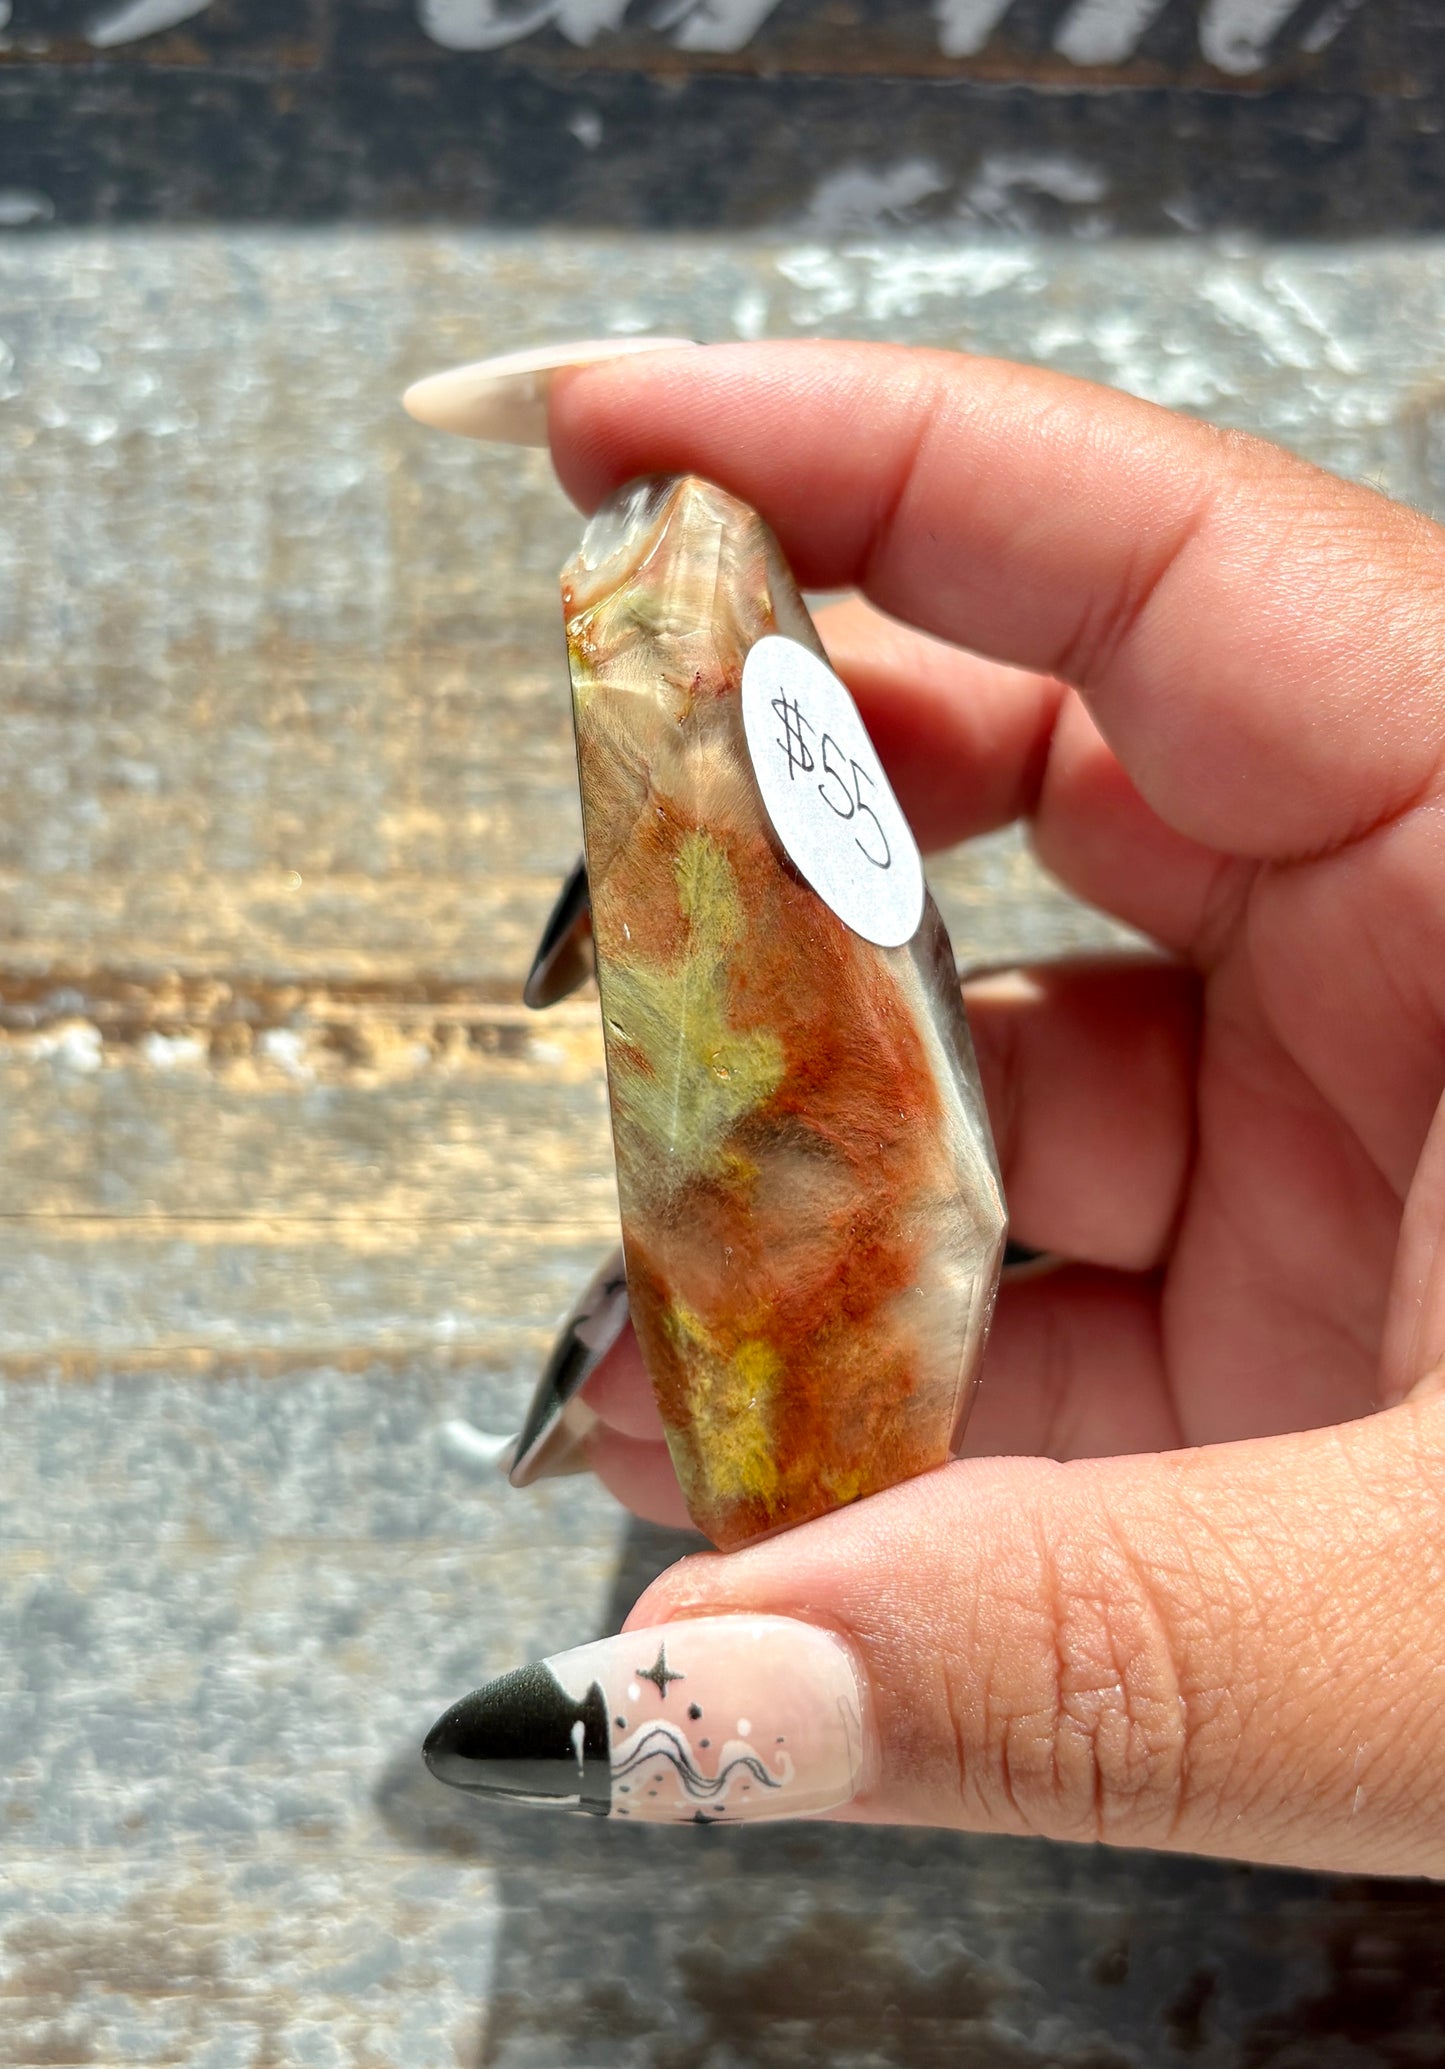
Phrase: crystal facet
[811,1211]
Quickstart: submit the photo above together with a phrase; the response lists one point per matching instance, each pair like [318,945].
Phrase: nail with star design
[711,1720]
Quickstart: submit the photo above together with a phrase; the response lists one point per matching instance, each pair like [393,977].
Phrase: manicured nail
[476,1447]
[717,1720]
[564,959]
[550,1441]
[505,399]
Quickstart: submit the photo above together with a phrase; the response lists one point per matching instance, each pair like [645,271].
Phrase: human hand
[1207,1609]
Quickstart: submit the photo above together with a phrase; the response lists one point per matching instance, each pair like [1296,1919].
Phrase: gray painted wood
[292,1185]
[1284,117]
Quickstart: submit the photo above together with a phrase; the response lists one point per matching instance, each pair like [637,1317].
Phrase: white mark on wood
[750,313]
[75,1044]
[286,1048]
[964,26]
[858,198]
[1284,321]
[899,282]
[713,24]
[999,191]
[586,126]
[172,1052]
[134,19]
[1235,35]
[1306,306]
[492,24]
[1105,32]
[1323,30]
[19,206]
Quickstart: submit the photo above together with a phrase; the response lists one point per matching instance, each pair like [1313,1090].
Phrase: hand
[1211,1613]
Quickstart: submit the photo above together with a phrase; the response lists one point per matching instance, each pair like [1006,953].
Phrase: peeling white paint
[492,24]
[19,206]
[74,1043]
[750,313]
[172,1052]
[1307,307]
[1105,32]
[1323,30]
[886,282]
[286,1048]
[860,198]
[824,284]
[134,19]
[713,24]
[1235,35]
[899,283]
[999,190]
[586,126]
[964,26]
[1281,316]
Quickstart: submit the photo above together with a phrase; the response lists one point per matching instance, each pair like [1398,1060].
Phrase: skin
[1188,1588]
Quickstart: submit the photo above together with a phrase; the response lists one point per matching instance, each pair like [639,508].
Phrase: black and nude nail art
[708,1721]
[550,1442]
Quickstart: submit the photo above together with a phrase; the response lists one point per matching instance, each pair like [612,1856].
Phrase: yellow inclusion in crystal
[728,1398]
[698,1077]
[707,896]
[844,1487]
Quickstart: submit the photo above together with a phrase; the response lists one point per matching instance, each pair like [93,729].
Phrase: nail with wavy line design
[711,1720]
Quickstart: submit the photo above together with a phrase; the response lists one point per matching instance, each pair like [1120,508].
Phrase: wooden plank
[318,1287]
[1098,43]
[185,34]
[1159,117]
[293,1186]
[408,1122]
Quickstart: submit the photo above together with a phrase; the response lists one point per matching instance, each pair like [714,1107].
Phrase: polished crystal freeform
[811,1210]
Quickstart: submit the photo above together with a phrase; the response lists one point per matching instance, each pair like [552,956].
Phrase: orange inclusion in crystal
[821,1296]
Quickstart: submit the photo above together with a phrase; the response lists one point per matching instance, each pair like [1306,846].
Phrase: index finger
[1261,643]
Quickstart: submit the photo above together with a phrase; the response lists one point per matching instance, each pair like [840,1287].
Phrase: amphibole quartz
[707,1721]
[811,1210]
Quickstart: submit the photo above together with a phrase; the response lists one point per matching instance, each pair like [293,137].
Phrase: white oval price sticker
[825,792]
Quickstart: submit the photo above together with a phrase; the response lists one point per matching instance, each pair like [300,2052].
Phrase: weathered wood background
[290,1184]
[1289,117]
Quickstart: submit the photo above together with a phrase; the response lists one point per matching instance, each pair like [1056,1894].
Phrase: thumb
[1237,1650]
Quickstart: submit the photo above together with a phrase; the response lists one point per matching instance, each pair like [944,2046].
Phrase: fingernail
[478,1447]
[550,1441]
[505,399]
[718,1720]
[564,959]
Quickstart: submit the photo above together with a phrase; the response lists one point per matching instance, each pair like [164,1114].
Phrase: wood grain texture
[293,1189]
[1282,117]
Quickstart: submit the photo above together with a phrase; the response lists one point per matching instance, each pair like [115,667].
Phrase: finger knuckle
[1087,1729]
